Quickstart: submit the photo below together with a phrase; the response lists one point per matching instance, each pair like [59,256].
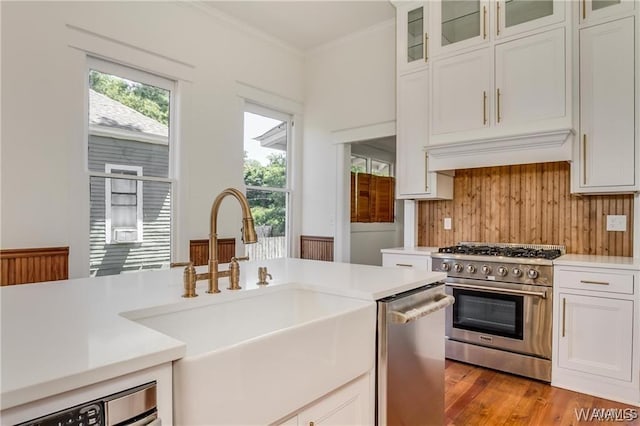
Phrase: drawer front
[405,261]
[609,281]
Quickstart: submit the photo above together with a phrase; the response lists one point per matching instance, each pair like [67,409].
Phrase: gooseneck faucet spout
[248,237]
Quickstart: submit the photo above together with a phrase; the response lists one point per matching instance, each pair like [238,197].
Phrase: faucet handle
[238,259]
[189,278]
[262,275]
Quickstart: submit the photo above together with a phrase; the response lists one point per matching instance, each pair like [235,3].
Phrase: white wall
[44,183]
[348,84]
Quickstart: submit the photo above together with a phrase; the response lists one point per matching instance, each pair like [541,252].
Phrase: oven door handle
[542,294]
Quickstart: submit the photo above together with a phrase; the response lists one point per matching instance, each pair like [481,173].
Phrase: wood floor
[479,396]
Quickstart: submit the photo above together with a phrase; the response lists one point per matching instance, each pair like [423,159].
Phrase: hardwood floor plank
[480,396]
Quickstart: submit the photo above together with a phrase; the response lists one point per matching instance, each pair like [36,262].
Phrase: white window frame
[145,77]
[287,118]
[108,168]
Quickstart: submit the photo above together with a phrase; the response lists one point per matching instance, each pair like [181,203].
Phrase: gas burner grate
[507,250]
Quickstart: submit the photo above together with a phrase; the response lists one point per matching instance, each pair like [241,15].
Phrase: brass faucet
[248,237]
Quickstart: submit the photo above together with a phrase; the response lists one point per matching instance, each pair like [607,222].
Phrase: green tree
[268,207]
[150,101]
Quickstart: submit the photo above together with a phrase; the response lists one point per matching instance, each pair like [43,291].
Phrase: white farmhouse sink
[257,359]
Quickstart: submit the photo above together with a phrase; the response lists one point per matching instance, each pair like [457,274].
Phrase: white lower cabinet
[596,335]
[416,261]
[595,341]
[351,404]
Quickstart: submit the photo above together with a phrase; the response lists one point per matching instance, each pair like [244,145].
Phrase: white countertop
[423,251]
[594,261]
[63,335]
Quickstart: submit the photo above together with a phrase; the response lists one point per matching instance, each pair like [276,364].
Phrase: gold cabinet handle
[426,47]
[594,282]
[584,9]
[404,265]
[426,172]
[484,22]
[499,117]
[484,107]
[498,18]
[584,159]
[564,314]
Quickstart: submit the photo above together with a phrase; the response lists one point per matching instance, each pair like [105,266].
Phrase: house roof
[112,118]
[275,138]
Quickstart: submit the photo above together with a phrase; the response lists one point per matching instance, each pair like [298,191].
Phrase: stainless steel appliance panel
[410,370]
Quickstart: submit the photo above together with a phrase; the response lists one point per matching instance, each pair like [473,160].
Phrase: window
[267,136]
[129,159]
[372,190]
[123,201]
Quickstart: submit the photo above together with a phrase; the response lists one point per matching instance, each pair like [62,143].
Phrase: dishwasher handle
[416,312]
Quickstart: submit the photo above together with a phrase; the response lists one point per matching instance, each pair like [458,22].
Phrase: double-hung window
[129,159]
[267,147]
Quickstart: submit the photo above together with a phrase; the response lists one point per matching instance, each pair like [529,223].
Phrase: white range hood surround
[525,148]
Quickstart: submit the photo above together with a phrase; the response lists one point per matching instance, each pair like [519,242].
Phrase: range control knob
[486,270]
[502,271]
[471,269]
[445,267]
[457,267]
[516,272]
[532,273]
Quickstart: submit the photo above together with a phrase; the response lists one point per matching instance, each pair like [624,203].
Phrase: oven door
[512,317]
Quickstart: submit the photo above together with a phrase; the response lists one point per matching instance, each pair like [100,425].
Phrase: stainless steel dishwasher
[410,359]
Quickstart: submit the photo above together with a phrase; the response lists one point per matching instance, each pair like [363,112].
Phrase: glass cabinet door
[515,16]
[415,31]
[459,20]
[518,12]
[459,24]
[596,9]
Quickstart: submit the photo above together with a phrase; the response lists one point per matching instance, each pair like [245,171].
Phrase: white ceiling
[306,24]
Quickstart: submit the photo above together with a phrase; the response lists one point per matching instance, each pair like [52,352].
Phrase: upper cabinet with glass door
[461,24]
[413,38]
[592,11]
[518,16]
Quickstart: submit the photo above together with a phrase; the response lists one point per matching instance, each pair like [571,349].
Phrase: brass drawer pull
[484,107]
[498,18]
[426,47]
[406,265]
[484,22]
[594,282]
[584,159]
[564,312]
[498,104]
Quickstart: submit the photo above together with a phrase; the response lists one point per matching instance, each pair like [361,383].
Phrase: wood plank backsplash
[32,265]
[529,204]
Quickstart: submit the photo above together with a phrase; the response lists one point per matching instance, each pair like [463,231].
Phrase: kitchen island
[62,336]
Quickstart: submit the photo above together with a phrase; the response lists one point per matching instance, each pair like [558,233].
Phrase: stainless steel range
[502,317]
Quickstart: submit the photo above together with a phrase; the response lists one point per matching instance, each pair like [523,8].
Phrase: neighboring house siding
[155,249]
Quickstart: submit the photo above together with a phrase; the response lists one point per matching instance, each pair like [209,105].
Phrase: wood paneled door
[529,204]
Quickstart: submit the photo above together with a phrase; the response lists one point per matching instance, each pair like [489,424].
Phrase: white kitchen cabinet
[595,340]
[607,149]
[414,181]
[465,24]
[416,261]
[530,79]
[519,84]
[412,36]
[592,11]
[596,335]
[352,404]
[461,92]
[515,17]
[459,24]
